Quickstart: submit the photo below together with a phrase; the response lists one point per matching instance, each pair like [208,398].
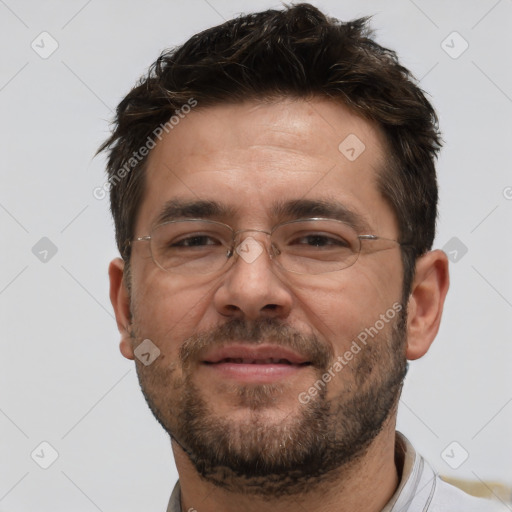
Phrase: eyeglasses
[304,246]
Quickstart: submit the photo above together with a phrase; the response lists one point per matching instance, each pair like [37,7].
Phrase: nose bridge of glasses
[250,247]
[236,234]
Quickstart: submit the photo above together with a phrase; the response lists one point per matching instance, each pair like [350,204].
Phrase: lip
[256,364]
[260,354]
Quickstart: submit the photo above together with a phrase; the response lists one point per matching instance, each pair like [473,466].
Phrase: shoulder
[448,498]
[422,490]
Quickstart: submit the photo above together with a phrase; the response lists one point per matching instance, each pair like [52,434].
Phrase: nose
[253,287]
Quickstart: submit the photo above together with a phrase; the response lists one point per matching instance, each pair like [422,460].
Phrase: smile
[269,360]
[257,364]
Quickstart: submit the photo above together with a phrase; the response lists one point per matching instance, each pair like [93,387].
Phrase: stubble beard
[313,445]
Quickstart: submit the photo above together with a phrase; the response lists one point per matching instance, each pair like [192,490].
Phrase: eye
[195,240]
[320,240]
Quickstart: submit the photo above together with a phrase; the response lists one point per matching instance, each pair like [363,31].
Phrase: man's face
[241,349]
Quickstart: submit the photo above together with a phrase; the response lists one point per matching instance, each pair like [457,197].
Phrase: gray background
[62,379]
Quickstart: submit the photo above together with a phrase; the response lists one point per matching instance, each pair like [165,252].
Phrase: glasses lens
[315,246]
[191,246]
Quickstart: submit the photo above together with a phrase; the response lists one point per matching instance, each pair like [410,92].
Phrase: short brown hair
[298,52]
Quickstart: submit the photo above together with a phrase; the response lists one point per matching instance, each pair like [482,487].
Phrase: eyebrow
[179,209]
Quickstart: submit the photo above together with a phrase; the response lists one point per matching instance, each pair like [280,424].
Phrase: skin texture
[247,157]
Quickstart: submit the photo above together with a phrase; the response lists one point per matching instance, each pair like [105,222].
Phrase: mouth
[258,364]
[245,360]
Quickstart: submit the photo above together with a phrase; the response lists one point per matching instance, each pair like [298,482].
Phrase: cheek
[341,307]
[168,310]
[380,276]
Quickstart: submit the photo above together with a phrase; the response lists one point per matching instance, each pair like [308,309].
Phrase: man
[274,194]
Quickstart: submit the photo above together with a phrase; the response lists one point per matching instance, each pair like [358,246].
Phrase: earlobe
[120,299]
[426,302]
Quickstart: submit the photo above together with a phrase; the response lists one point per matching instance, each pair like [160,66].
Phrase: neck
[366,485]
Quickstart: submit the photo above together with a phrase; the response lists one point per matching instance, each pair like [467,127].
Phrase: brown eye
[321,240]
[195,241]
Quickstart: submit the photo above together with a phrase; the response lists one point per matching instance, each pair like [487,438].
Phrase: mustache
[263,330]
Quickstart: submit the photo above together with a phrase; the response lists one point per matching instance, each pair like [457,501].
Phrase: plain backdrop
[62,378]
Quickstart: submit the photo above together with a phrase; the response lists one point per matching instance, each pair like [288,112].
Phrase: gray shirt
[420,489]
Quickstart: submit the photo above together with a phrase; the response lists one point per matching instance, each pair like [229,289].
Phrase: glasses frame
[230,252]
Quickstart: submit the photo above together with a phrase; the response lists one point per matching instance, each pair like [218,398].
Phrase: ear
[425,307]
[120,299]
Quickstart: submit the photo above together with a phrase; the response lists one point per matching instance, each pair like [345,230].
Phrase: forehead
[251,156]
